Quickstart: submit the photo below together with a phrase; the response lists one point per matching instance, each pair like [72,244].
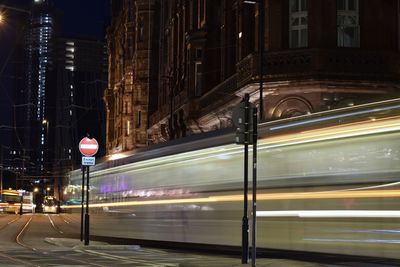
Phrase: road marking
[126,259]
[52,223]
[20,234]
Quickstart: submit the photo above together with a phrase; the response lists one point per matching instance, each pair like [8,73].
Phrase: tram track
[10,222]
[57,229]
[23,231]
[18,237]
[16,260]
[11,258]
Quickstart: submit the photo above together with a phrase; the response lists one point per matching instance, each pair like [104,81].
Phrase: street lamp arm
[15,9]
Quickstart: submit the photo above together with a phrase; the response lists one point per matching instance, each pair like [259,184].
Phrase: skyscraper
[79,77]
[33,109]
[58,98]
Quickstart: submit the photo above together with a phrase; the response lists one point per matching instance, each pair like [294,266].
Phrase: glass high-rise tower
[39,36]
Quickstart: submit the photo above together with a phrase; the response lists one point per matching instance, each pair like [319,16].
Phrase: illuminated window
[124,108]
[298,23]
[128,127]
[348,28]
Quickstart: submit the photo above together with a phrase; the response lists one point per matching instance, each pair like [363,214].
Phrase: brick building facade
[178,67]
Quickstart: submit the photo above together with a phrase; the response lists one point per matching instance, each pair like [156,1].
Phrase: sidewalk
[177,259]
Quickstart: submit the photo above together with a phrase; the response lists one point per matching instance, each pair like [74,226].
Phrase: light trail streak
[316,135]
[331,213]
[264,196]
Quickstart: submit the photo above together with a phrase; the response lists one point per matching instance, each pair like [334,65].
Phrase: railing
[341,64]
[344,63]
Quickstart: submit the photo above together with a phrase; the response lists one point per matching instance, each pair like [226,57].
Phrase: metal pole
[1,172]
[21,203]
[59,194]
[261,15]
[83,199]
[171,126]
[254,199]
[245,220]
[87,209]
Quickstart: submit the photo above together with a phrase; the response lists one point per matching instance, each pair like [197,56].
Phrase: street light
[5,7]
[261,36]
[261,32]
[14,8]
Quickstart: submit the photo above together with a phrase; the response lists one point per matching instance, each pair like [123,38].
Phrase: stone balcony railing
[321,63]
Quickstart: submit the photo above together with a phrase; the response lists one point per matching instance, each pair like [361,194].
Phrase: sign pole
[245,220]
[254,198]
[83,199]
[88,148]
[87,209]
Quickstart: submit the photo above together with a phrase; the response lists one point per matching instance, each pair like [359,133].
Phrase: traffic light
[242,117]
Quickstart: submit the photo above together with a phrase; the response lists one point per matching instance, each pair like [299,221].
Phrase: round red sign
[88,147]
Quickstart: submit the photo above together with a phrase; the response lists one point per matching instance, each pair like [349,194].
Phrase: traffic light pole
[254,198]
[244,117]
[245,220]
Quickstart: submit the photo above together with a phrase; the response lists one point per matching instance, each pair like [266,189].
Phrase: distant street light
[4,8]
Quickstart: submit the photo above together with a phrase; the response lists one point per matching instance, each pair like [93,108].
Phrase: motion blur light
[1,18]
[117,156]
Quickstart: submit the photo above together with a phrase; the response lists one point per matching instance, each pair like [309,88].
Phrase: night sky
[81,18]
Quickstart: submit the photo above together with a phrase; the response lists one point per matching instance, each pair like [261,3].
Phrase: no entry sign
[88,146]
